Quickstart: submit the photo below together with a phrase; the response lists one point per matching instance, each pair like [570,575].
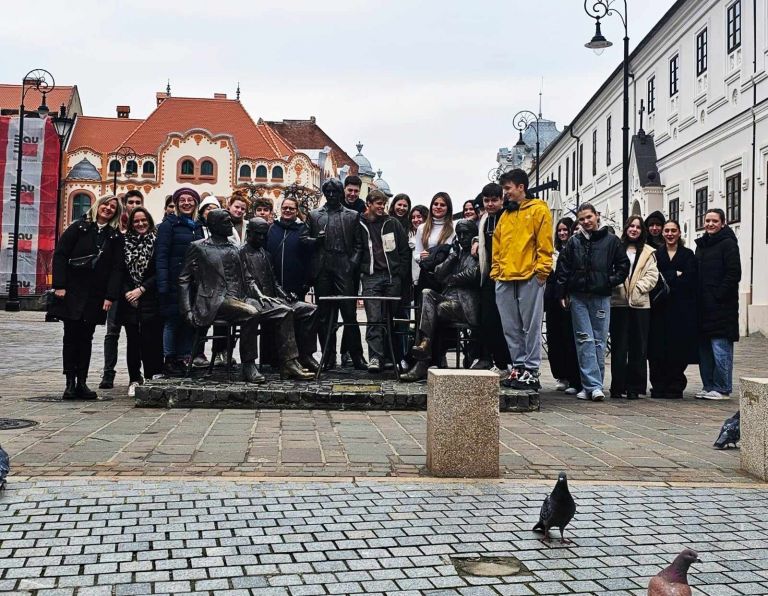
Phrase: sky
[429,87]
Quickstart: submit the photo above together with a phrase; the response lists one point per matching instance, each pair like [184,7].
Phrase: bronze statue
[256,261]
[214,285]
[457,303]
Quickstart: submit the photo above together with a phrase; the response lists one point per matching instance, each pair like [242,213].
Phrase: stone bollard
[463,423]
[754,422]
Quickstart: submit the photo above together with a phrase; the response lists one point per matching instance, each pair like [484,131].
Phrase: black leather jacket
[593,265]
[460,276]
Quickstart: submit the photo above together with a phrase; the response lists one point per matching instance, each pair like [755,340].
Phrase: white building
[700,75]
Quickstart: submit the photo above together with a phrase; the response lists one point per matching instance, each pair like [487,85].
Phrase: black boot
[417,373]
[251,373]
[308,361]
[82,390]
[70,390]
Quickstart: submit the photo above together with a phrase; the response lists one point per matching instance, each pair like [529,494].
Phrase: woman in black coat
[289,254]
[672,342]
[717,253]
[86,280]
[138,309]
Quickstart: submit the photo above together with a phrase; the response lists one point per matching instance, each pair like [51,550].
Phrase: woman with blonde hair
[86,281]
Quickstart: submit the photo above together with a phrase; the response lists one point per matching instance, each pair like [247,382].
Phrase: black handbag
[660,291]
[85,262]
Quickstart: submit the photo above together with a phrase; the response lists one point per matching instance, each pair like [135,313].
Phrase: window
[277,173]
[733,198]
[559,179]
[674,64]
[734,26]
[245,171]
[701,206]
[674,209]
[594,153]
[187,168]
[81,203]
[581,164]
[261,172]
[148,169]
[206,168]
[701,53]
[567,175]
[114,166]
[651,95]
[573,173]
[608,141]
[131,167]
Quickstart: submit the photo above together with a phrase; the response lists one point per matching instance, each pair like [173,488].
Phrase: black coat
[673,331]
[719,276]
[593,265]
[174,236]
[148,305]
[86,287]
[290,256]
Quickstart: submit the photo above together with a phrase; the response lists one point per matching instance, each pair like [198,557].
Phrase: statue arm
[186,279]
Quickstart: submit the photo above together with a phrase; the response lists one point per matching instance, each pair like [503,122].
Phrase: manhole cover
[356,388]
[14,423]
[489,566]
[45,398]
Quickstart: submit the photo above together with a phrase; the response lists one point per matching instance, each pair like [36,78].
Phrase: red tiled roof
[10,96]
[103,135]
[306,134]
[217,116]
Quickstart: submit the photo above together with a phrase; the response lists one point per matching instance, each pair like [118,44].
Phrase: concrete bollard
[754,422]
[463,423]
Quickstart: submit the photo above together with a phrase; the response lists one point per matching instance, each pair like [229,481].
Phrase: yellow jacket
[522,243]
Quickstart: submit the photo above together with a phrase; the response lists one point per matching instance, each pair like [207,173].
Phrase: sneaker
[200,361]
[571,391]
[561,385]
[716,396]
[528,380]
[701,394]
[387,365]
[582,395]
[132,389]
[598,395]
[374,366]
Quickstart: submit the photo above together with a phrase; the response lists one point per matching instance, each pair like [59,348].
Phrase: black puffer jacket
[719,276]
[593,265]
[174,235]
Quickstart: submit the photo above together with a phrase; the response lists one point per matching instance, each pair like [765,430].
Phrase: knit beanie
[185,190]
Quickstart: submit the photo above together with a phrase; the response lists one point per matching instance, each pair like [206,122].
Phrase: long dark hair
[405,219]
[643,232]
[568,223]
[447,230]
[424,212]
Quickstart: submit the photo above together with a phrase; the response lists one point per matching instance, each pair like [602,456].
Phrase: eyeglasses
[288,208]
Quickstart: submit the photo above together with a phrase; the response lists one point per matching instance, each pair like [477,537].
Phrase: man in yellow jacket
[521,263]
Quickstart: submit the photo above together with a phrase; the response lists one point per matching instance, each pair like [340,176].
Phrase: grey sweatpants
[521,308]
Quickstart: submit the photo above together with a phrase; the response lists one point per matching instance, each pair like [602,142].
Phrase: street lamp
[123,153]
[42,81]
[599,9]
[63,126]
[522,120]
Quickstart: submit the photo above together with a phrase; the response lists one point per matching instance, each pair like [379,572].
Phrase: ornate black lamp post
[522,120]
[63,126]
[123,153]
[40,80]
[599,9]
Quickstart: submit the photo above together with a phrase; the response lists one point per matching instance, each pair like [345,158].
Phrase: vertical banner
[37,202]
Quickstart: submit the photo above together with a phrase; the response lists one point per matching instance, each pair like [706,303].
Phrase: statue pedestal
[754,427]
[463,423]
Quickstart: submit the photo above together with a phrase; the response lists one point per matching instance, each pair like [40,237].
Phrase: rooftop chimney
[161,96]
[123,111]
[219,96]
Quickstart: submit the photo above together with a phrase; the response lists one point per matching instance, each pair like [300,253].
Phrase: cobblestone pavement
[141,536]
[644,441]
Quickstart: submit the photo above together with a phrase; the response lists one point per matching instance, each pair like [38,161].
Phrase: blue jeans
[716,364]
[591,317]
[177,338]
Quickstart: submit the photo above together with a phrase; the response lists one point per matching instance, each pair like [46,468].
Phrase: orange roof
[306,134]
[10,96]
[103,135]
[217,116]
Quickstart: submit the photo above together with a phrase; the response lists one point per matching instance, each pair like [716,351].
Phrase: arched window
[131,167]
[80,205]
[187,168]
[206,168]
[114,166]
[245,171]
[261,172]
[277,172]
[148,169]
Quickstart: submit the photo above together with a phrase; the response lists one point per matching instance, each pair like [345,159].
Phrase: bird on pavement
[557,510]
[730,432]
[673,581]
[5,467]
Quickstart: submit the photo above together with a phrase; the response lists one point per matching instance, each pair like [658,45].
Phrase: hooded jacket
[655,241]
[592,264]
[522,243]
[635,291]
[174,235]
[719,276]
[396,250]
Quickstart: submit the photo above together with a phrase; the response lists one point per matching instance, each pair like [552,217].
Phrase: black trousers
[493,346]
[334,280]
[144,347]
[667,377]
[561,346]
[629,349]
[77,344]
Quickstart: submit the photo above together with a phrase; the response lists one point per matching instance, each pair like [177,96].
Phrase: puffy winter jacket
[719,277]
[522,243]
[636,289]
[174,235]
[593,265]
[290,256]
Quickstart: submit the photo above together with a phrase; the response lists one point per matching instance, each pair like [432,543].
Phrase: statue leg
[279,317]
[430,300]
[305,327]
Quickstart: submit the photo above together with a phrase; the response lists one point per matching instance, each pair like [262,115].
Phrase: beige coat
[635,291]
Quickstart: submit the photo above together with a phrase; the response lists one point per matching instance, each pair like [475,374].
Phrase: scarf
[138,253]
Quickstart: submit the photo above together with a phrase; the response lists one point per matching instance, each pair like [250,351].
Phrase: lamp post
[123,153]
[522,120]
[599,9]
[42,81]
[63,126]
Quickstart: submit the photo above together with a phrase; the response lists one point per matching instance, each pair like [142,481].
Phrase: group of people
[492,273]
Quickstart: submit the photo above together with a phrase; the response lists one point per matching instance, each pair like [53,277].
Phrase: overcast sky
[429,87]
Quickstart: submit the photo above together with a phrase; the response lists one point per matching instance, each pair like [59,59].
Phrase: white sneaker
[582,395]
[571,391]
[561,385]
[598,395]
[132,389]
[715,395]
[701,394]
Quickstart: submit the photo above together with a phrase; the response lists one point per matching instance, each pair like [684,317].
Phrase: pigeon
[730,432]
[557,510]
[5,467]
[673,581]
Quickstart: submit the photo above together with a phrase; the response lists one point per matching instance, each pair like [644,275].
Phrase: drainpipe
[578,162]
[754,158]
